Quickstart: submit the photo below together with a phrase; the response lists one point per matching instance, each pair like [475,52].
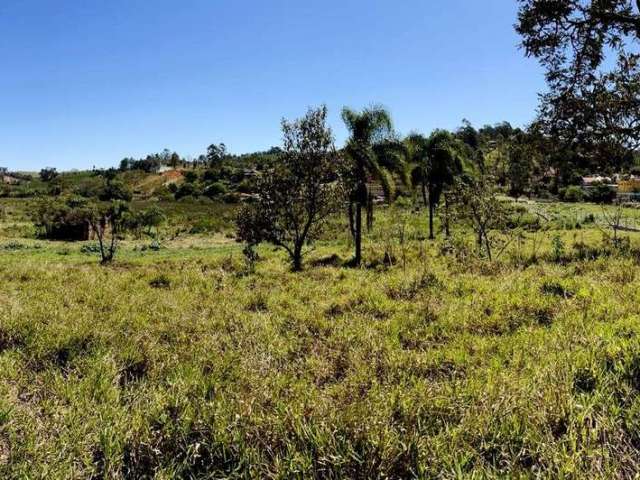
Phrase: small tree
[614,219]
[115,189]
[48,174]
[216,154]
[152,218]
[435,163]
[108,222]
[476,200]
[369,130]
[174,160]
[296,195]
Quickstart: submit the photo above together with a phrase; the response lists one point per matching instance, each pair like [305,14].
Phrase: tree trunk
[369,212]
[487,246]
[296,260]
[431,208]
[446,217]
[424,195]
[352,227]
[358,237]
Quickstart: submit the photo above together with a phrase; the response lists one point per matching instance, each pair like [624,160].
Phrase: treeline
[456,175]
[291,191]
[453,174]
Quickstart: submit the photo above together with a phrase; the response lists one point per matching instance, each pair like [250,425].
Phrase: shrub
[161,281]
[62,220]
[601,193]
[572,194]
[231,198]
[211,175]
[187,190]
[190,176]
[115,190]
[215,189]
[48,174]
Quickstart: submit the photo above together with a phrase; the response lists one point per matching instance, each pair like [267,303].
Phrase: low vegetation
[429,361]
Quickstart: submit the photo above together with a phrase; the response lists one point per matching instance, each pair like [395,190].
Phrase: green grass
[181,363]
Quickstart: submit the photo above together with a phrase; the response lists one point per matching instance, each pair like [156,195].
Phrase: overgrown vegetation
[437,361]
[445,327]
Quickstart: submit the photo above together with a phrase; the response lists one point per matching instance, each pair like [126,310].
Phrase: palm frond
[385,178]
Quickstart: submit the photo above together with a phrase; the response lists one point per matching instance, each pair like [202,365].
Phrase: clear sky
[88,82]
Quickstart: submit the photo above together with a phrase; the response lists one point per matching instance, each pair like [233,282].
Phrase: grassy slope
[179,362]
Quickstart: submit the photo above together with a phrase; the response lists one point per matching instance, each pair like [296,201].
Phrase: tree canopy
[589,49]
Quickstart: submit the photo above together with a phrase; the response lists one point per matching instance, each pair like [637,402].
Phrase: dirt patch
[5,450]
[172,176]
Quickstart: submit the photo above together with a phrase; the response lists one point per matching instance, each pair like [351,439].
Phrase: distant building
[591,180]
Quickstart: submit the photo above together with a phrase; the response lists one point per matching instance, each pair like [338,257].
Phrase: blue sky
[86,83]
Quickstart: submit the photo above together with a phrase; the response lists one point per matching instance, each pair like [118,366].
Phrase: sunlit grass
[182,363]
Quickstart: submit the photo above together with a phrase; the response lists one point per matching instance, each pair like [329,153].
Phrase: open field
[183,363]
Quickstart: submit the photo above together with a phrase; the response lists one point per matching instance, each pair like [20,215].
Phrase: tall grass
[183,363]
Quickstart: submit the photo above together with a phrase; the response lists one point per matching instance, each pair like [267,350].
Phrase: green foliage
[48,174]
[216,154]
[572,194]
[600,193]
[62,219]
[440,357]
[296,196]
[558,248]
[187,190]
[115,190]
[592,71]
[215,189]
[190,176]
[369,147]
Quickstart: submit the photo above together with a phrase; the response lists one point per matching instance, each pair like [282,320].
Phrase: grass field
[183,363]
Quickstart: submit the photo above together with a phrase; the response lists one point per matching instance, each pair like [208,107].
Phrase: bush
[190,176]
[231,198]
[88,187]
[572,194]
[90,249]
[48,174]
[115,190]
[205,225]
[601,193]
[215,189]
[62,220]
[211,176]
[187,190]
[246,186]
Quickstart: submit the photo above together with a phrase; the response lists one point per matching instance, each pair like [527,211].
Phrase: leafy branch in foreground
[298,193]
[589,51]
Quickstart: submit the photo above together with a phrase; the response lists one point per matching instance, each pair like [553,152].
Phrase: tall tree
[48,174]
[174,160]
[370,130]
[589,49]
[523,162]
[437,161]
[216,154]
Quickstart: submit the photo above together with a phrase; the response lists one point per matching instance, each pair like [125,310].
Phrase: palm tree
[370,151]
[435,163]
